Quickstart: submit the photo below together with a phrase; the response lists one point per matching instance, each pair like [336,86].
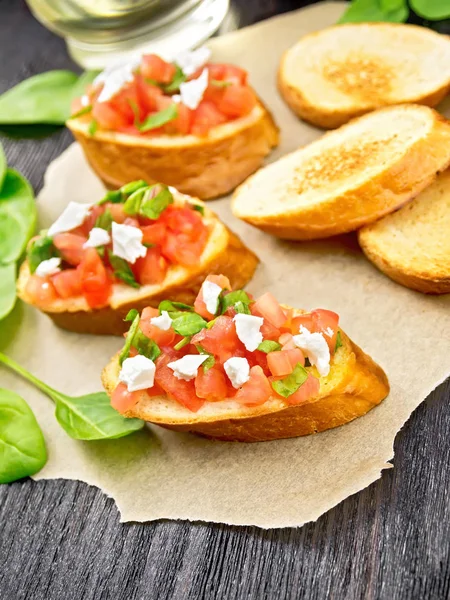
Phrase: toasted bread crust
[361,386]
[234,260]
[203,167]
[367,202]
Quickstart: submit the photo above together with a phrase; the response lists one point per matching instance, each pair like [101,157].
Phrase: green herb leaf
[434,10]
[125,352]
[138,340]
[104,221]
[233,298]
[395,11]
[220,84]
[170,306]
[133,186]
[2,166]
[242,308]
[152,207]
[131,315]
[22,445]
[7,288]
[122,270]
[44,98]
[177,80]
[269,346]
[160,118]
[113,196]
[289,385]
[83,111]
[88,417]
[17,216]
[133,202]
[338,341]
[40,249]
[188,324]
[198,208]
[92,127]
[182,343]
[210,361]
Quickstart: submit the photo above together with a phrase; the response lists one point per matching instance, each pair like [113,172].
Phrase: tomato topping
[256,391]
[309,389]
[296,356]
[148,94]
[327,322]
[117,212]
[199,304]
[123,400]
[107,116]
[237,101]
[303,320]
[162,338]
[89,221]
[67,283]
[225,72]
[268,308]
[154,67]
[154,234]
[178,389]
[128,104]
[40,290]
[70,247]
[280,363]
[221,340]
[95,283]
[211,385]
[152,268]
[286,341]
[206,116]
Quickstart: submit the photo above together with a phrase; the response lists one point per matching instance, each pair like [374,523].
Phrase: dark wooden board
[63,540]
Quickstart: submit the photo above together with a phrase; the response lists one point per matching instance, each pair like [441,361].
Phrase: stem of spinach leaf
[9,362]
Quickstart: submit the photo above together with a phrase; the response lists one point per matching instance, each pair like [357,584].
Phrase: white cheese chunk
[177,99]
[138,373]
[73,216]
[186,368]
[97,237]
[211,292]
[315,348]
[127,242]
[237,370]
[162,322]
[84,101]
[191,92]
[48,267]
[248,330]
[115,77]
[190,61]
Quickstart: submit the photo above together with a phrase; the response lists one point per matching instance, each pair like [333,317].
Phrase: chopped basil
[178,79]
[101,251]
[170,306]
[131,187]
[93,126]
[209,362]
[152,207]
[113,196]
[338,341]
[133,202]
[40,249]
[198,208]
[104,221]
[83,111]
[289,385]
[210,324]
[138,340]
[182,343]
[269,346]
[122,270]
[188,324]
[220,84]
[233,298]
[240,307]
[160,118]
[125,352]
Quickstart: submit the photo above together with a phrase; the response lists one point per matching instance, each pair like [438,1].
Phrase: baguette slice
[349,177]
[338,73]
[354,386]
[224,253]
[204,167]
[412,246]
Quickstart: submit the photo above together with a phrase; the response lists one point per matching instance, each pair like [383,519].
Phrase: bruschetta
[190,123]
[133,248]
[233,368]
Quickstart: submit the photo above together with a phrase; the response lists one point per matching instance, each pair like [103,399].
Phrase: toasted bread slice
[349,177]
[354,385]
[205,167]
[412,246]
[342,72]
[224,253]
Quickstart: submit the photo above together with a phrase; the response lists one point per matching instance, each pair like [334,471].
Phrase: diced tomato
[117,212]
[67,283]
[256,391]
[182,220]
[206,116]
[162,338]
[258,358]
[148,94]
[286,341]
[89,221]
[77,106]
[225,72]
[154,67]
[108,117]
[154,234]
[269,331]
[306,391]
[237,101]
[70,247]
[295,356]
[181,249]
[95,283]
[182,123]
[279,363]
[123,400]
[127,103]
[221,340]
[40,290]
[326,322]
[152,268]
[178,389]
[268,307]
[287,325]
[211,385]
[213,93]
[305,320]
[199,304]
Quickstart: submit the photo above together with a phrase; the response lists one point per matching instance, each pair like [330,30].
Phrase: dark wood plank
[63,539]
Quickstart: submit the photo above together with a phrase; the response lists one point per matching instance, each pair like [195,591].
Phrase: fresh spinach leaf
[395,11]
[113,196]
[104,221]
[40,249]
[209,362]
[138,340]
[434,10]
[160,118]
[133,202]
[22,446]
[7,288]
[177,80]
[122,270]
[269,346]
[171,307]
[83,111]
[188,324]
[88,417]
[2,166]
[17,216]
[289,385]
[233,298]
[125,352]
[242,308]
[183,342]
[133,186]
[153,206]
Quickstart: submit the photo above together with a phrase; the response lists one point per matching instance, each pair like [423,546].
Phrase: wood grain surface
[63,540]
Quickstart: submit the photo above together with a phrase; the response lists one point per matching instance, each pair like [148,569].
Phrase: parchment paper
[159,474]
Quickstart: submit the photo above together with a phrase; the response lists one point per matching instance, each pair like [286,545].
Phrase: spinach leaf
[104,221]
[122,270]
[183,342]
[188,324]
[17,216]
[170,306]
[44,98]
[289,385]
[434,10]
[7,288]
[395,11]
[113,196]
[88,417]
[160,118]
[269,346]
[133,202]
[22,446]
[338,341]
[42,248]
[138,340]
[125,352]
[233,298]
[177,80]
[2,166]
[133,186]
[153,206]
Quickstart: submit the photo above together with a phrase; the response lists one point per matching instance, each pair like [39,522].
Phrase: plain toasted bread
[341,72]
[412,245]
[205,167]
[354,385]
[224,253]
[349,177]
